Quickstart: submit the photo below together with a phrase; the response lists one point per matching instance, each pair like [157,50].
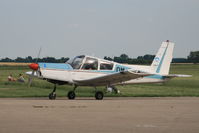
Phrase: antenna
[38,54]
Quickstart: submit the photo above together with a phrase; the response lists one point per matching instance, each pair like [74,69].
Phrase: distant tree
[49,59]
[29,59]
[133,61]
[19,59]
[108,58]
[149,57]
[146,59]
[117,59]
[6,60]
[124,58]
[180,60]
[194,57]
[62,60]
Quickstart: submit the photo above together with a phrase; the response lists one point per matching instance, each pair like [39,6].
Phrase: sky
[66,28]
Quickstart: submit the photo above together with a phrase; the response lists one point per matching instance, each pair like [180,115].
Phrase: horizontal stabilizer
[177,75]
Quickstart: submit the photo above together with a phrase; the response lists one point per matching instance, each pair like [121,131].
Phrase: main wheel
[71,95]
[52,96]
[99,95]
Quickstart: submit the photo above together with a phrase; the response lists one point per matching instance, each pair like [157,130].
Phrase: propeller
[34,67]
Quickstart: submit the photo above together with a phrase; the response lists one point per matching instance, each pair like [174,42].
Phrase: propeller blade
[38,55]
[34,67]
[30,78]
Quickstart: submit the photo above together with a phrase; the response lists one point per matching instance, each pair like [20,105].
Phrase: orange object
[34,66]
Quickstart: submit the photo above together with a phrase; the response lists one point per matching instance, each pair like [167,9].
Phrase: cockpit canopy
[77,62]
[90,63]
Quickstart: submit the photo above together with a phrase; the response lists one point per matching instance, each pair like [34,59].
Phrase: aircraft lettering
[120,69]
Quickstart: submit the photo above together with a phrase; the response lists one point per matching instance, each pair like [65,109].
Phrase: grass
[177,87]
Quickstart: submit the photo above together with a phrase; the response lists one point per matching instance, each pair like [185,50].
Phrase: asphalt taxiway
[111,115]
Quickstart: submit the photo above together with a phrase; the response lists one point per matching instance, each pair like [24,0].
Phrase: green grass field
[175,88]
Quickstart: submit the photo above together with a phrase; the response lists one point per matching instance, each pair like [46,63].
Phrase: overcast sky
[65,28]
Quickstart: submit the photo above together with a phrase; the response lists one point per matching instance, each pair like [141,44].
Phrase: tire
[99,95]
[52,96]
[71,95]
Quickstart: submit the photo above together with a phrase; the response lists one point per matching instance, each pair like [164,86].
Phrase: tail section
[162,60]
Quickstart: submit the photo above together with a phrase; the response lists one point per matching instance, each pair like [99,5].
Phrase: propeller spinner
[34,66]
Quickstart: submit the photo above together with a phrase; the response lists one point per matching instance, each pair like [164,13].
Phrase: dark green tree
[194,57]
[6,60]
[19,59]
[108,58]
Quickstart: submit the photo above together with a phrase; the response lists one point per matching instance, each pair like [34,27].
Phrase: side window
[90,64]
[106,66]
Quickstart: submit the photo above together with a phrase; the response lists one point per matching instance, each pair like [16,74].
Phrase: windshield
[77,62]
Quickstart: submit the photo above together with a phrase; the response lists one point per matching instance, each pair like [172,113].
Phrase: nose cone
[34,66]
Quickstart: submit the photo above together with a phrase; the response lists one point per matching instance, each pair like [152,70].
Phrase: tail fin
[162,60]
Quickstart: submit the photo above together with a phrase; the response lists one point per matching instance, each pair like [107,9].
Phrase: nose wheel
[52,96]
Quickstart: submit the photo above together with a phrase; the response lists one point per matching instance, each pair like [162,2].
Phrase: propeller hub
[34,66]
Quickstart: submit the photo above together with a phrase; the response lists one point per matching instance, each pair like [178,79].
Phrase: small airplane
[86,70]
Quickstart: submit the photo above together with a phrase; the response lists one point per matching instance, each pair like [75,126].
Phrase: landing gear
[52,95]
[71,94]
[112,89]
[99,95]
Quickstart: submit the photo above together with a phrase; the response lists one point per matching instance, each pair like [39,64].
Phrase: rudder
[163,58]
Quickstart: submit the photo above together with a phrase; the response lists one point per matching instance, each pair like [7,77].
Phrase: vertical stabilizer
[162,60]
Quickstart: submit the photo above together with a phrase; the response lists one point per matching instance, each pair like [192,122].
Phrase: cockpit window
[90,64]
[106,66]
[77,62]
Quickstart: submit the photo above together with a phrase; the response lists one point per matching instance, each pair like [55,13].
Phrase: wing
[112,78]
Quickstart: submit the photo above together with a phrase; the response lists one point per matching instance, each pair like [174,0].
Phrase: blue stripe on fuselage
[62,66]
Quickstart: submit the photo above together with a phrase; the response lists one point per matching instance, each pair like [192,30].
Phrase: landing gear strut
[52,95]
[113,88]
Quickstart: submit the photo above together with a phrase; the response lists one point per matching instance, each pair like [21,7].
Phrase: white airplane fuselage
[71,75]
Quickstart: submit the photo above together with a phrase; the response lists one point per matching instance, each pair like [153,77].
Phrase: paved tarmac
[111,115]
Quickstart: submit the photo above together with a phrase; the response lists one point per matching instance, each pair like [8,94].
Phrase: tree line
[193,57]
[29,59]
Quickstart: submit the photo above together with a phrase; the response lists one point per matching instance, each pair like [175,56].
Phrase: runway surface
[111,115]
